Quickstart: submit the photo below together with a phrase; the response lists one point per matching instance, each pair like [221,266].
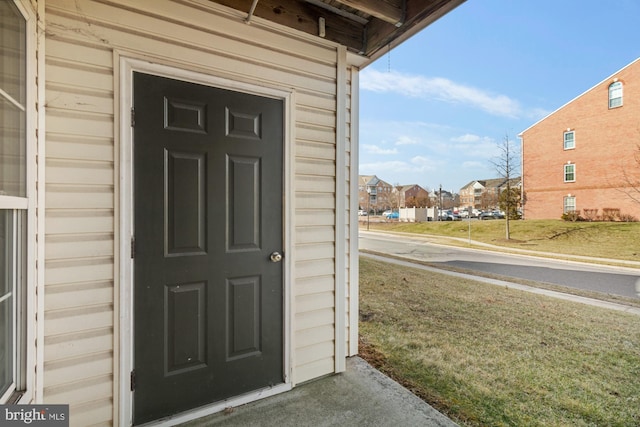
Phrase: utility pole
[440,210]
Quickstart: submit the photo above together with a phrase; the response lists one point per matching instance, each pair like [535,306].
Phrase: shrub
[590,214]
[628,218]
[572,216]
[610,214]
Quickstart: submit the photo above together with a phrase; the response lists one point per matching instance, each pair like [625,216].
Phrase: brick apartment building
[379,193]
[411,196]
[585,155]
[484,193]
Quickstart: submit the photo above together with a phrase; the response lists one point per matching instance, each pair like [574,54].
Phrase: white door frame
[124,290]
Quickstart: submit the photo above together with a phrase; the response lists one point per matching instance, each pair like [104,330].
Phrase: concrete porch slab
[361,396]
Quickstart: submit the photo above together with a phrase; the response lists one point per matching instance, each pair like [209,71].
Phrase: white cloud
[536,114]
[423,163]
[378,168]
[407,140]
[374,149]
[417,86]
[474,164]
[467,137]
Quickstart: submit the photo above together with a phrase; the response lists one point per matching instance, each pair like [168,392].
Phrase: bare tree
[631,178]
[507,165]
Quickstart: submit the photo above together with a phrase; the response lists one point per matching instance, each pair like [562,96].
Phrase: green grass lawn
[617,240]
[490,356]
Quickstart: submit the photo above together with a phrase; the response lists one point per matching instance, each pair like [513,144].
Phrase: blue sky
[433,110]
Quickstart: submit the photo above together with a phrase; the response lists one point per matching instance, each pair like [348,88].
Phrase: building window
[569,204]
[569,140]
[13,197]
[615,95]
[569,173]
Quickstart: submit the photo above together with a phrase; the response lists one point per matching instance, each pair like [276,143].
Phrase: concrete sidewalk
[361,396]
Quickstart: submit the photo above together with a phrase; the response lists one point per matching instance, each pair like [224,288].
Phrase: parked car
[491,215]
[450,216]
[362,213]
[391,215]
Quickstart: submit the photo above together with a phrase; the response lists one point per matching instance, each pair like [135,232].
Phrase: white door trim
[124,218]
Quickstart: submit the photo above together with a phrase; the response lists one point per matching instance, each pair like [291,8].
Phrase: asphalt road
[610,280]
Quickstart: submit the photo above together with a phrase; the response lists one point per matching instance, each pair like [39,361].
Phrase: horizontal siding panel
[87,124]
[79,197]
[315,150]
[78,344]
[316,167]
[73,75]
[315,251]
[80,391]
[315,100]
[313,336]
[305,217]
[315,184]
[72,147]
[314,319]
[314,200]
[315,268]
[84,221]
[78,295]
[316,117]
[315,301]
[78,319]
[99,56]
[315,234]
[314,370]
[78,246]
[79,270]
[71,370]
[74,171]
[314,285]
[71,99]
[96,413]
[316,134]
[315,352]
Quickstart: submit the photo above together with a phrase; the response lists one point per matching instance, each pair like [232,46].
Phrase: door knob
[276,257]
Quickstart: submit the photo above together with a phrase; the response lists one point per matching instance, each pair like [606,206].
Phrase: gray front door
[208,297]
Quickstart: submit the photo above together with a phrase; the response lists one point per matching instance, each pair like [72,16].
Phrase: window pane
[568,140]
[569,173]
[13,46]
[569,204]
[615,95]
[7,296]
[12,101]
[12,150]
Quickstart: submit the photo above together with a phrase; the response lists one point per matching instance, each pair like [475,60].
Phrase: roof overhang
[368,28]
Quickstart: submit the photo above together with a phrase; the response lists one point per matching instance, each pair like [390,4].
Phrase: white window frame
[566,205]
[573,140]
[573,167]
[22,390]
[615,94]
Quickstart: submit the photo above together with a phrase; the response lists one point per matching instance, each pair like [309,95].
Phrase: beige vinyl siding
[79,225]
[81,182]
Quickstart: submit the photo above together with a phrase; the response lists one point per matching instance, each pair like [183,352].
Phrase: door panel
[208,307]
[244,205]
[185,204]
